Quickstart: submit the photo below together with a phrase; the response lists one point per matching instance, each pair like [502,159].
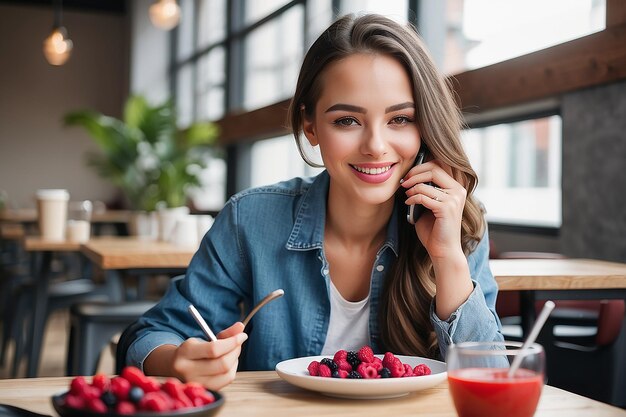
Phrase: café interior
[541,86]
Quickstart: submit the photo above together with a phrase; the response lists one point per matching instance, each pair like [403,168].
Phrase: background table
[265,394]
[137,257]
[559,279]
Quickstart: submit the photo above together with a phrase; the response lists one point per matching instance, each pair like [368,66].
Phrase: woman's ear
[308,128]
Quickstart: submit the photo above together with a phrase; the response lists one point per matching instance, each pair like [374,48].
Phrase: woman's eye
[401,120]
[346,121]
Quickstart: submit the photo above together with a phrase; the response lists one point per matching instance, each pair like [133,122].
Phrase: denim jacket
[272,237]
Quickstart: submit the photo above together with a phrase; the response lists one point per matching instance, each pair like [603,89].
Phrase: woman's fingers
[231,331]
[217,382]
[201,349]
[429,172]
[197,359]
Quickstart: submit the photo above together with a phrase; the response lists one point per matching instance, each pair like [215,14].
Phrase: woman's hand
[439,228]
[213,364]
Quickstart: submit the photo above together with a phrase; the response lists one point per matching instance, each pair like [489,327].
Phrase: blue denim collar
[308,229]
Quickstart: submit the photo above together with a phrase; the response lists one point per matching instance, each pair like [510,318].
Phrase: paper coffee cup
[52,213]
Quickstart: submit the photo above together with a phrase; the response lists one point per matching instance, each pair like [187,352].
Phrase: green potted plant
[146,155]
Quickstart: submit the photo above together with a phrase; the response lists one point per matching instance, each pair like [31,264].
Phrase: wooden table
[112,255]
[265,394]
[559,279]
[138,257]
[558,274]
[115,253]
[11,231]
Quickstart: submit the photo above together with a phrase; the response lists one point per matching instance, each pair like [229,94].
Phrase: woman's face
[364,124]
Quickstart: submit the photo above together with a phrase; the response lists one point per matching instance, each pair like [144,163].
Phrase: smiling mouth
[372,171]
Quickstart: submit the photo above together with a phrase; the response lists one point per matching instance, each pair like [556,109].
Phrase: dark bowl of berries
[133,393]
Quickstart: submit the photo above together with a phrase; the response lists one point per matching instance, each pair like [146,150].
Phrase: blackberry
[353,359]
[330,363]
[135,394]
[109,399]
[385,373]
[354,375]
[335,374]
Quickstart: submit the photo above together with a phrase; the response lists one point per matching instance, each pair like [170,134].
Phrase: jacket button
[380,268]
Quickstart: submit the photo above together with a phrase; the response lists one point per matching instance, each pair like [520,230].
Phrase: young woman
[354,271]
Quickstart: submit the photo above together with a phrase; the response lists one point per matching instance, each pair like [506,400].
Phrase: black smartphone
[415,210]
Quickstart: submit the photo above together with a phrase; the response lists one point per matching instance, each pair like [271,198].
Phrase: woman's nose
[374,142]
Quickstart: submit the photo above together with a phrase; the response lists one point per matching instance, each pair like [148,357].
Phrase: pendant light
[57,47]
[165,14]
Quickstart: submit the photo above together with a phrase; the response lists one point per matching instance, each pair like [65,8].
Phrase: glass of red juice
[482,386]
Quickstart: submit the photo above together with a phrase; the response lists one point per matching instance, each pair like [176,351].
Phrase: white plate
[295,372]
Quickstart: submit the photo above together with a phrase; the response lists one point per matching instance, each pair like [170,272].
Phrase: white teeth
[372,171]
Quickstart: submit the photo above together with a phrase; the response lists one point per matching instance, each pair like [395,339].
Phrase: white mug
[185,232]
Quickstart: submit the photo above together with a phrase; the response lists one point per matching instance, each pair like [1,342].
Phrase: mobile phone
[415,210]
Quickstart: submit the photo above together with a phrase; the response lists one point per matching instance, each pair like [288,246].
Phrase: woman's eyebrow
[345,107]
[400,106]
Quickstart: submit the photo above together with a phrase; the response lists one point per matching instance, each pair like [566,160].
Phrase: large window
[468,34]
[519,170]
[228,64]
[273,53]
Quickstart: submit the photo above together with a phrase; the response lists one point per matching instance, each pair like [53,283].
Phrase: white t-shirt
[348,327]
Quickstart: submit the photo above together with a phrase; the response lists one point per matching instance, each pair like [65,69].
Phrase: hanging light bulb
[165,14]
[57,47]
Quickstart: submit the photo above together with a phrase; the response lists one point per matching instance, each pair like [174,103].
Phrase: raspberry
[198,394]
[342,373]
[396,368]
[78,384]
[74,401]
[408,371]
[330,363]
[388,360]
[344,365]
[368,371]
[96,404]
[101,381]
[366,354]
[154,401]
[150,385]
[325,371]
[378,364]
[91,392]
[134,376]
[384,373]
[421,369]
[125,408]
[314,368]
[120,387]
[175,389]
[194,389]
[353,359]
[340,355]
[354,375]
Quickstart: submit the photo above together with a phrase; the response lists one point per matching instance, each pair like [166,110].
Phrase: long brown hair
[410,284]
